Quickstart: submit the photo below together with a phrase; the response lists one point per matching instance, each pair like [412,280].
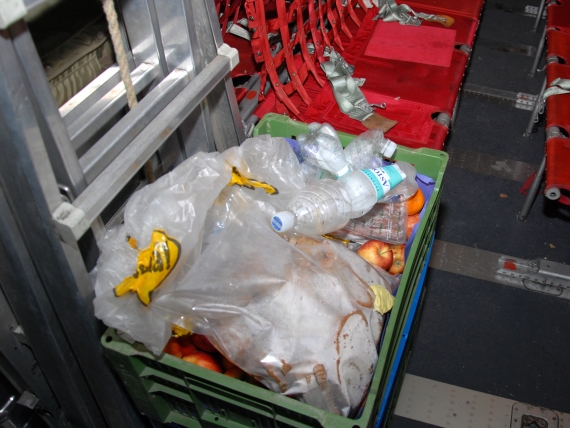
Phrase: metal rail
[187,103]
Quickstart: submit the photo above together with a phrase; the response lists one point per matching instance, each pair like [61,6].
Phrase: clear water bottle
[322,148]
[368,186]
[328,205]
[366,150]
[319,208]
[311,172]
[406,188]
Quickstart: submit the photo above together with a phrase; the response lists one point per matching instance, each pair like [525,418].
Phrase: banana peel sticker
[249,183]
[154,264]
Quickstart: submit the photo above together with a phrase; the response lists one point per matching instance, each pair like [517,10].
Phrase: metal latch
[11,11]
[538,275]
[527,416]
[525,101]
[533,11]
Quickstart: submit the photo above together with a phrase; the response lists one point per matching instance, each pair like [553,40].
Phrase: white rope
[113,21]
[114,30]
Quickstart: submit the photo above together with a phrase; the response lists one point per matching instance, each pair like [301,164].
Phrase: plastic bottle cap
[282,221]
[390,149]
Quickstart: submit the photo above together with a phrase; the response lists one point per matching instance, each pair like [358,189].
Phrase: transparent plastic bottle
[328,205]
[322,148]
[368,186]
[406,188]
[366,150]
[319,208]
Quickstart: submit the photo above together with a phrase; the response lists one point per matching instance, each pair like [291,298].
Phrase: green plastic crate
[168,389]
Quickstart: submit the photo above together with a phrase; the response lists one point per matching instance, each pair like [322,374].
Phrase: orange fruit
[415,203]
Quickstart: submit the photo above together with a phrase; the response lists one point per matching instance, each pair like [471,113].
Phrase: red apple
[187,349]
[376,252]
[201,342]
[203,359]
[399,260]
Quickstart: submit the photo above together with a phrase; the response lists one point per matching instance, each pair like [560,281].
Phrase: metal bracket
[538,275]
[239,31]
[70,222]
[444,119]
[526,416]
[525,101]
[533,11]
[231,53]
[11,11]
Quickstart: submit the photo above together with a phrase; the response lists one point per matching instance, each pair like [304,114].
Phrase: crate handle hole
[108,339]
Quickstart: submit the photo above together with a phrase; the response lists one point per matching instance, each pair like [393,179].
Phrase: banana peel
[249,183]
[154,264]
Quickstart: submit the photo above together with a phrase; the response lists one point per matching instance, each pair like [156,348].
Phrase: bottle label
[384,178]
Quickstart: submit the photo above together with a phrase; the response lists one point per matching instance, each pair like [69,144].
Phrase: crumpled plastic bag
[163,226]
[296,314]
[173,210]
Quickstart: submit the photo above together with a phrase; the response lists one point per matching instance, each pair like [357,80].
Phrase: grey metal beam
[222,101]
[91,122]
[136,21]
[38,276]
[89,95]
[16,351]
[107,185]
[94,161]
[31,305]
[63,159]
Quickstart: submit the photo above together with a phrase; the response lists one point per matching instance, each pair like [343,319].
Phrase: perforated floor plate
[445,405]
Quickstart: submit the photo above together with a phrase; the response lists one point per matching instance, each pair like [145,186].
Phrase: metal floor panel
[483,163]
[446,405]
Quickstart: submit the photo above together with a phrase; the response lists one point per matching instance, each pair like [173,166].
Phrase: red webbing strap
[334,23]
[470,8]
[321,10]
[464,26]
[282,16]
[302,40]
[341,12]
[557,161]
[218,5]
[256,15]
[363,6]
[315,33]
[350,10]
[558,43]
[221,9]
[558,106]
